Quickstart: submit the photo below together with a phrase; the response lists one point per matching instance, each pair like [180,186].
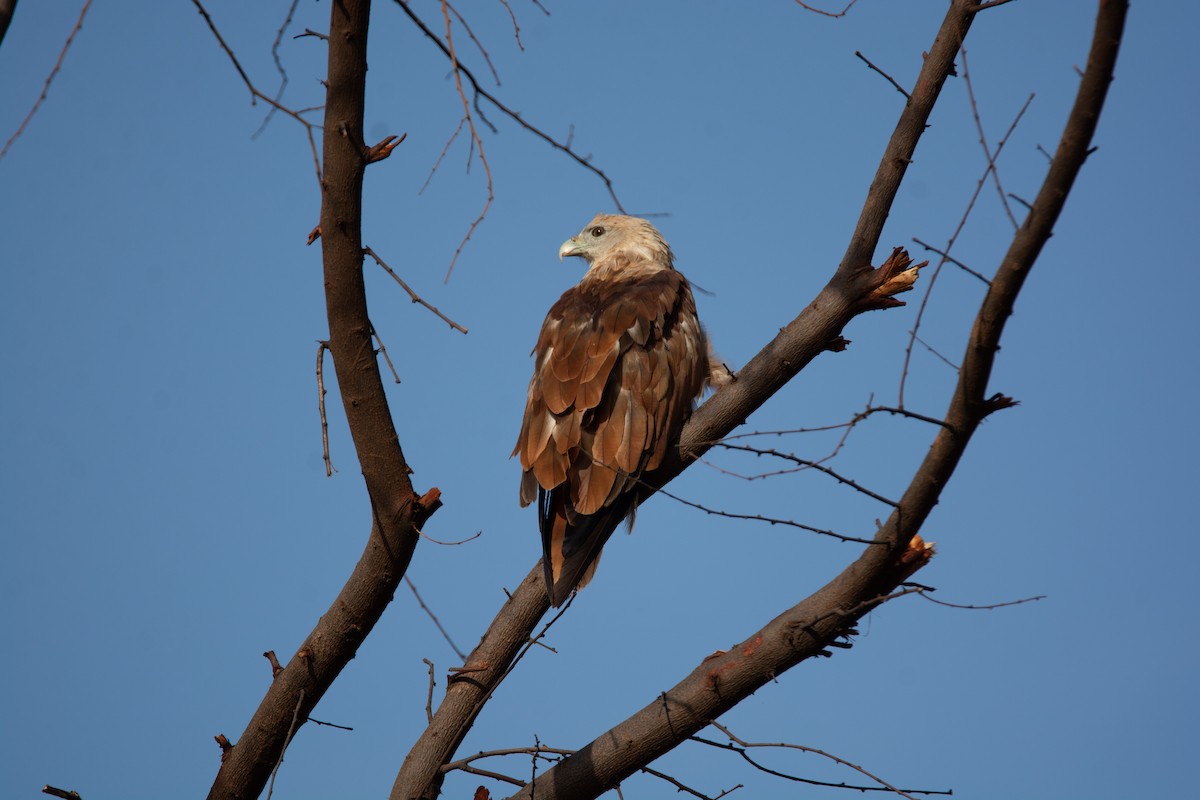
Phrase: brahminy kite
[618,365]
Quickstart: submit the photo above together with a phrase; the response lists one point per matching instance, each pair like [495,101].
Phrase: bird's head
[610,235]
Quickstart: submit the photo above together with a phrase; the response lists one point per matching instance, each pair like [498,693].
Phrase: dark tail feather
[572,542]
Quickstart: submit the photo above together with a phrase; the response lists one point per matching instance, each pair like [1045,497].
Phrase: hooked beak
[569,248]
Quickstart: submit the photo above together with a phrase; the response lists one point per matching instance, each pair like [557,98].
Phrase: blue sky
[166,517]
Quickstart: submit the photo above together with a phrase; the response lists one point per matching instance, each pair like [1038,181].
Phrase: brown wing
[618,365]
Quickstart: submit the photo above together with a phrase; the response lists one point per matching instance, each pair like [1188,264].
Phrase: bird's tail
[571,542]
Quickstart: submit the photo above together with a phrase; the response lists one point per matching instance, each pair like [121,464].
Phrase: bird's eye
[597,231]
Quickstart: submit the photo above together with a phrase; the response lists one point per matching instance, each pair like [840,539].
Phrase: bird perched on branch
[619,362]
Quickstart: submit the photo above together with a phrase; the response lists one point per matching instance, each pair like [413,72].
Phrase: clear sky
[165,516]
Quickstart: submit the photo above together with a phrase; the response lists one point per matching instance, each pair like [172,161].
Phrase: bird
[619,363]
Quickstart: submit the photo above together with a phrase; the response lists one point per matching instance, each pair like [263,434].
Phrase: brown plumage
[619,362]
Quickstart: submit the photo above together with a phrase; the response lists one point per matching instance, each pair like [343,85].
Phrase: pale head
[610,235]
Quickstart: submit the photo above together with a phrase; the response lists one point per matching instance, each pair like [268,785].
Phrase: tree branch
[396,510]
[7,8]
[6,11]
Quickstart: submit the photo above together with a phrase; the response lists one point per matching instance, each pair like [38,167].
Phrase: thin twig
[255,94]
[988,607]
[934,351]
[740,747]
[330,724]
[808,464]
[461,655]
[681,787]
[49,79]
[516,27]
[428,663]
[442,155]
[932,281]
[841,13]
[513,115]
[987,153]
[429,538]
[383,351]
[283,76]
[891,80]
[413,295]
[524,649]
[479,45]
[287,740]
[791,523]
[322,346]
[953,260]
[476,141]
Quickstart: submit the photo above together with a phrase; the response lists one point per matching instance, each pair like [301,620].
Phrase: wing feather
[614,381]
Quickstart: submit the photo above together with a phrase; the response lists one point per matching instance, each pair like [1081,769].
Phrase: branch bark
[396,511]
[7,8]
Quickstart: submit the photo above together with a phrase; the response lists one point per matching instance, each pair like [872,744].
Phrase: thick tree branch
[803,631]
[396,510]
[7,7]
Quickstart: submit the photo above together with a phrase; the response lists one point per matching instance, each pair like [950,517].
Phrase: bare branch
[291,732]
[925,594]
[4,19]
[805,463]
[283,76]
[513,115]
[947,257]
[989,168]
[429,695]
[987,152]
[255,94]
[321,348]
[479,45]
[740,747]
[412,295]
[890,79]
[679,786]
[445,635]
[841,13]
[760,518]
[476,141]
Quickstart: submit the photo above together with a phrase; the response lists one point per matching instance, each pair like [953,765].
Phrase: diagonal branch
[515,116]
[256,95]
[397,512]
[6,11]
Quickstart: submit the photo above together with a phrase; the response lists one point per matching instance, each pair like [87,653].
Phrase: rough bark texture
[396,510]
